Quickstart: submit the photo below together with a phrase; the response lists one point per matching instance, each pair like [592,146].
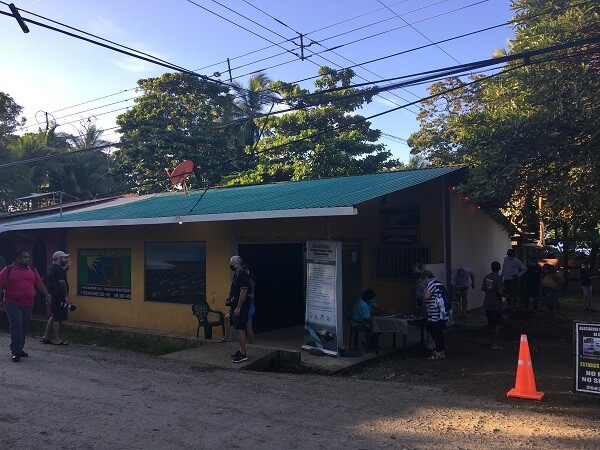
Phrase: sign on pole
[587,357]
[323,319]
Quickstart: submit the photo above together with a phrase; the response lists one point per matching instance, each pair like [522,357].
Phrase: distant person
[586,284]
[533,278]
[251,311]
[436,313]
[512,270]
[460,280]
[551,284]
[493,287]
[21,283]
[58,287]
[240,305]
[364,308]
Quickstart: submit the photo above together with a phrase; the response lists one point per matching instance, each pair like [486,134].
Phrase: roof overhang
[251,215]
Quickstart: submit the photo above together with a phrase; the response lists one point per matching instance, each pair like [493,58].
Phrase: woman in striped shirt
[436,313]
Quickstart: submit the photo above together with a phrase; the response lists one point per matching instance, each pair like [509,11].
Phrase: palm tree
[250,102]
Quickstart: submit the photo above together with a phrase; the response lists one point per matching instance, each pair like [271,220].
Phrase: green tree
[532,131]
[336,142]
[177,117]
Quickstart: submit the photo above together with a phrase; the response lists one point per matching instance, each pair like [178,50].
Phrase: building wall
[477,240]
[136,312]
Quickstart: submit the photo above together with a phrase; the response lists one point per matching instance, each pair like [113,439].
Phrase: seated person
[365,307]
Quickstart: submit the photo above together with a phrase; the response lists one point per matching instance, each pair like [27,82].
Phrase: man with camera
[58,299]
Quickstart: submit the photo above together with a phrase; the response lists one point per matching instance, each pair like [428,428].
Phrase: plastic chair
[355,330]
[201,310]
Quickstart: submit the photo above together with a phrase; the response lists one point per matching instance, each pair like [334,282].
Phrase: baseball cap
[59,254]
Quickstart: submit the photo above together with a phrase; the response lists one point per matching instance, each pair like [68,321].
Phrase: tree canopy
[317,135]
[531,131]
[177,117]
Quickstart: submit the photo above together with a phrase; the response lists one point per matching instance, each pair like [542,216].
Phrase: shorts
[494,317]
[587,290]
[462,290]
[251,312]
[240,322]
[59,314]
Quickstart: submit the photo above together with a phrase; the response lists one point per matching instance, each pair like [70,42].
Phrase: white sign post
[323,319]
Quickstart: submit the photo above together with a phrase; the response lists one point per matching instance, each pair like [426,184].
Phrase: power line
[526,56]
[414,28]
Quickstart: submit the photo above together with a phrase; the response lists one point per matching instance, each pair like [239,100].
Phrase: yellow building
[141,261]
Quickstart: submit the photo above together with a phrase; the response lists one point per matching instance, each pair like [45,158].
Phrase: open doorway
[278,271]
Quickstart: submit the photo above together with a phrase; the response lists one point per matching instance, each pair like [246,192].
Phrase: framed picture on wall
[175,272]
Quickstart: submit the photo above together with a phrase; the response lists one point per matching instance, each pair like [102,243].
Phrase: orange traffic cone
[525,382]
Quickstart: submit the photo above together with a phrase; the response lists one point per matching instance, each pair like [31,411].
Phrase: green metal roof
[300,195]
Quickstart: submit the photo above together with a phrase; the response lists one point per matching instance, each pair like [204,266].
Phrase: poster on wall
[323,319]
[104,272]
[587,357]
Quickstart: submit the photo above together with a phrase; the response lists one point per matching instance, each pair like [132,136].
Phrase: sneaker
[236,354]
[16,358]
[23,354]
[239,358]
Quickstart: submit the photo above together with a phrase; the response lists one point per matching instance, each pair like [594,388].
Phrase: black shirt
[54,274]
[240,280]
[586,275]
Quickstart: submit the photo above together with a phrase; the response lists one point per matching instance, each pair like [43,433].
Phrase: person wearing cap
[58,287]
[21,283]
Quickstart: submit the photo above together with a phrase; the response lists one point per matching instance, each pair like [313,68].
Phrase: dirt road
[86,397]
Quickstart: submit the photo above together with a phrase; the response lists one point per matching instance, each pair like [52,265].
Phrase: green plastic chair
[201,310]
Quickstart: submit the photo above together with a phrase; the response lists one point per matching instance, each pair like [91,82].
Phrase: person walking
[436,313]
[493,288]
[58,287]
[461,279]
[240,305]
[20,283]
[586,284]
[512,269]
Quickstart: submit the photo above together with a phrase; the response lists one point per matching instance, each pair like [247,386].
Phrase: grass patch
[144,343]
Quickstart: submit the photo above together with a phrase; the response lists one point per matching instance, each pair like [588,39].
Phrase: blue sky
[48,71]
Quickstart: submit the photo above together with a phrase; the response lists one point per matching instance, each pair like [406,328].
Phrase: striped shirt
[435,303]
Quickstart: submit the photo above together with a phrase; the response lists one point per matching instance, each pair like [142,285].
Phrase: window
[396,263]
[175,272]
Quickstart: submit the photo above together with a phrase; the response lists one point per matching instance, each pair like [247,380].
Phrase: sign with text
[323,319]
[104,272]
[392,235]
[587,357]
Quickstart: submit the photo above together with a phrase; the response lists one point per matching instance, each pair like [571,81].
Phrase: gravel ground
[80,396]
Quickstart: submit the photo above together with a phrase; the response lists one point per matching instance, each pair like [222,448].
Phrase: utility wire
[526,56]
[510,22]
[414,28]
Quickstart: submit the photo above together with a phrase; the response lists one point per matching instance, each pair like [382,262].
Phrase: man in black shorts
[240,305]
[493,288]
[58,288]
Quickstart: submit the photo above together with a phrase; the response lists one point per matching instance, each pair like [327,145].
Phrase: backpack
[462,278]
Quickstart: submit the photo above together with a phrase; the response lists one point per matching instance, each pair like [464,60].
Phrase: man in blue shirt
[364,309]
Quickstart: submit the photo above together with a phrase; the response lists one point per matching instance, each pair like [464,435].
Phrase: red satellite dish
[180,173]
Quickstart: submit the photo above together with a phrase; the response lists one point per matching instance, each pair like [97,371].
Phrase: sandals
[223,339]
[60,343]
[46,341]
[437,355]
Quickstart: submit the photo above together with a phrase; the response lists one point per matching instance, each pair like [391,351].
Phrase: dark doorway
[278,270]
[7,251]
[352,284]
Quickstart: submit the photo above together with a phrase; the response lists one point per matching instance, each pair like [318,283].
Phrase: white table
[398,324]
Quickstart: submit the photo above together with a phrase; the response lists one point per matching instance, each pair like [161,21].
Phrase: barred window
[396,263]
